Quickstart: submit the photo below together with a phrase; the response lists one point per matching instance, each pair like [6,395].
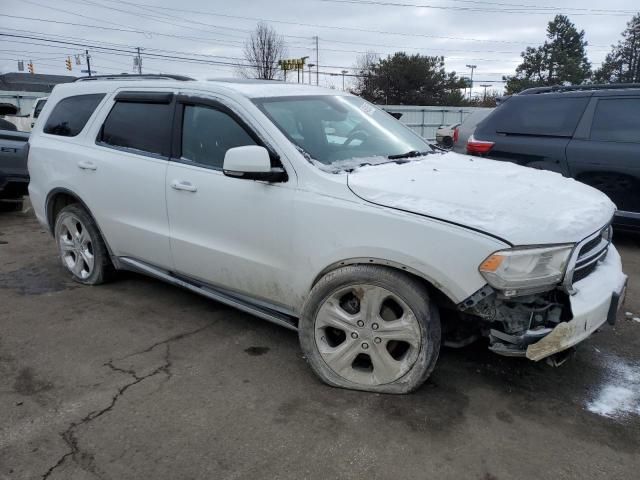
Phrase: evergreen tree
[402,79]
[622,64]
[562,59]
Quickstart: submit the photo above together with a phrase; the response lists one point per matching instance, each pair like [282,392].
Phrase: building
[22,89]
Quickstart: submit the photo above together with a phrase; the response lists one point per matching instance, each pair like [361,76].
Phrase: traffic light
[68,62]
[30,66]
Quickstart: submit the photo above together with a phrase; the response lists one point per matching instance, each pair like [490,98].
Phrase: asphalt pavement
[137,379]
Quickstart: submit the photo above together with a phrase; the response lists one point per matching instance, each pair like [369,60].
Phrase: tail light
[456,134]
[478,147]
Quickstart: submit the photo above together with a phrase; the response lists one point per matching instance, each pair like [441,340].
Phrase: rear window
[71,114]
[145,127]
[538,115]
[617,120]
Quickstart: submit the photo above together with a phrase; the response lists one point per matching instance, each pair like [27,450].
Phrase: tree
[365,69]
[562,59]
[402,79]
[262,52]
[622,64]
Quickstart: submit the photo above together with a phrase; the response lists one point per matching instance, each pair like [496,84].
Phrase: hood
[522,205]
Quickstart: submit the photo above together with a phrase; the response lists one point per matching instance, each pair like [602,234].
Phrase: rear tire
[81,247]
[371,328]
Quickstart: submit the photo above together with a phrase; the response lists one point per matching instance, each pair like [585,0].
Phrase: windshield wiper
[409,154]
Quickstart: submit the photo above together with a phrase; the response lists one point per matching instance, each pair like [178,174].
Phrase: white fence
[425,120]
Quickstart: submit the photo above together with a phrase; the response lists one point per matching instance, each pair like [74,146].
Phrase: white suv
[316,210]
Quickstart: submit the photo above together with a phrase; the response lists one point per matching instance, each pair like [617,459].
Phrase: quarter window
[208,133]
[617,120]
[144,127]
[71,114]
[552,116]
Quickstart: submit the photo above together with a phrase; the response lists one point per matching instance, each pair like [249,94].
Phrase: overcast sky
[487,33]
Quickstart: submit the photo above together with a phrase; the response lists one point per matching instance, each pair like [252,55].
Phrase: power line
[530,10]
[149,51]
[317,25]
[549,7]
[185,58]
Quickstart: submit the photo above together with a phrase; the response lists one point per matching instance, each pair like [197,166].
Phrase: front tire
[81,248]
[371,328]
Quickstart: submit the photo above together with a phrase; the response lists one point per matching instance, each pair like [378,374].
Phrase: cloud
[492,40]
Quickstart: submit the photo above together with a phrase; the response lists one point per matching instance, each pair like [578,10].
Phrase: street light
[472,67]
[343,74]
[485,86]
[304,59]
[310,65]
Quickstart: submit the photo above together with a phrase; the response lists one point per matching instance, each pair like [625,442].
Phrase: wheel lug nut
[360,323]
[365,345]
[354,335]
[377,339]
[374,326]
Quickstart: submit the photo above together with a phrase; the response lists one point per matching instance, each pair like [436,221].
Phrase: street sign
[87,71]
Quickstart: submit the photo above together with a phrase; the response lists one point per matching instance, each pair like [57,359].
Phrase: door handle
[182,185]
[87,165]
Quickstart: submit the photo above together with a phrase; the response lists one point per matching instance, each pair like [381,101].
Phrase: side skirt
[259,310]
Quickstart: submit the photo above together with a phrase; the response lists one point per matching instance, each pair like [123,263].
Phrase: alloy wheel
[76,247]
[367,335]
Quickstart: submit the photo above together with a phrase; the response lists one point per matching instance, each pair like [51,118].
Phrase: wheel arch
[60,197]
[439,293]
[57,199]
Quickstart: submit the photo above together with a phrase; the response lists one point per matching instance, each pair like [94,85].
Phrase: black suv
[590,133]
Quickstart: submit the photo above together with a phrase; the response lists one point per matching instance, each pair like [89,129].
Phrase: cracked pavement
[138,379]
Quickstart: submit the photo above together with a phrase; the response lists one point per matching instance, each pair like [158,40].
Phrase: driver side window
[207,134]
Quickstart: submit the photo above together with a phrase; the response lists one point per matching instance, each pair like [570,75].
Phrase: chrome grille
[585,258]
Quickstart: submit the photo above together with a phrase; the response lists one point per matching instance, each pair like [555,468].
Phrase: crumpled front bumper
[597,299]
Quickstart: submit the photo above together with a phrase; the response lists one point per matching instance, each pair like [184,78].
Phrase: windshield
[341,131]
[39,107]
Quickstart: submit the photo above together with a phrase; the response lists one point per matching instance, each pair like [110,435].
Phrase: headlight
[526,268]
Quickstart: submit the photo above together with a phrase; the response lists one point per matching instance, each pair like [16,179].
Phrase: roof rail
[126,76]
[575,88]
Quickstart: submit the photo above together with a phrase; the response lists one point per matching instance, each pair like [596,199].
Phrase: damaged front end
[541,324]
[512,324]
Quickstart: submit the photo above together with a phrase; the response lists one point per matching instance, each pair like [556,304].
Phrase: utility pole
[485,86]
[343,74]
[472,67]
[88,57]
[317,61]
[139,61]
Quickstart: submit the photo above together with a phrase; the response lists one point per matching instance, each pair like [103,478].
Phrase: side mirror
[251,162]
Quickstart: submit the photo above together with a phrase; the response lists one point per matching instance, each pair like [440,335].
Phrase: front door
[229,232]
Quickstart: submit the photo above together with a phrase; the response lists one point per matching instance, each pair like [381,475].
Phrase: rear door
[606,150]
[534,130]
[122,174]
[228,232]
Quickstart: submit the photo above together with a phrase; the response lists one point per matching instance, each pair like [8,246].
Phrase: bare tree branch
[262,52]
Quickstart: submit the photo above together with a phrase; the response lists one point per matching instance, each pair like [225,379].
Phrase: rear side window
[617,120]
[208,133]
[140,126]
[71,114]
[538,115]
